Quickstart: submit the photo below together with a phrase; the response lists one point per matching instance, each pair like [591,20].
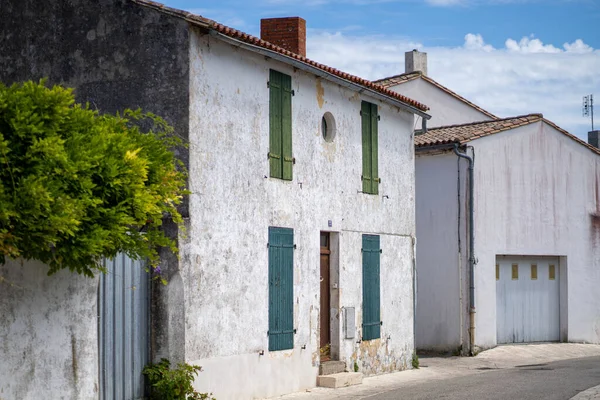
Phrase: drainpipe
[471,251]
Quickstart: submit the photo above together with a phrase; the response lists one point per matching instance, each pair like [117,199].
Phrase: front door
[325,337]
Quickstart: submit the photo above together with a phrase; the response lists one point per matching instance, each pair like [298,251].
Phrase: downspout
[471,251]
[414,254]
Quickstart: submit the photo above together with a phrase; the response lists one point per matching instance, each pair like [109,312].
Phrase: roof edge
[257,42]
[410,76]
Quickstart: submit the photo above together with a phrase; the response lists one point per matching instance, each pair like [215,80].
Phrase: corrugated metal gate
[123,305]
[527,299]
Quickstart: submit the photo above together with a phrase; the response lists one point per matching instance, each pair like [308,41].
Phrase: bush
[173,384]
[77,186]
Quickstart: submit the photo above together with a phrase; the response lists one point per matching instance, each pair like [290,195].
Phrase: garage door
[527,299]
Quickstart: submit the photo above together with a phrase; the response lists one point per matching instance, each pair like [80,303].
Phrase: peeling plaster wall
[48,334]
[233,202]
[536,194]
[445,109]
[441,254]
[116,55]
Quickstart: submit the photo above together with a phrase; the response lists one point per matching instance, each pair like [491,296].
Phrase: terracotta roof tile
[461,134]
[409,76]
[253,40]
[466,132]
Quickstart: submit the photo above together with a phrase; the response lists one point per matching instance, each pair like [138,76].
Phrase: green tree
[77,186]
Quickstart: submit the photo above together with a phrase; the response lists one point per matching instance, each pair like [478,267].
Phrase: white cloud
[476,42]
[524,76]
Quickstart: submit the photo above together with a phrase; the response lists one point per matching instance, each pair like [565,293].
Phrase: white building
[535,228]
[300,242]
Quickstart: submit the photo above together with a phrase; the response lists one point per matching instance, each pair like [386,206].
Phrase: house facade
[300,239]
[534,228]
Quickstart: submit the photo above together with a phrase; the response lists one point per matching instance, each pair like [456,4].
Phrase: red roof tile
[234,33]
[409,76]
[463,133]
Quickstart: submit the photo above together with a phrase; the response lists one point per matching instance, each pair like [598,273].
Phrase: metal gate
[527,299]
[123,325]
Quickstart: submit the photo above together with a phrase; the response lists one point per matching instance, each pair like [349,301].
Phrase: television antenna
[588,107]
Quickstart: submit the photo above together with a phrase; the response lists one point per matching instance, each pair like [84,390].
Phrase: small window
[497,272]
[533,271]
[551,272]
[328,127]
[515,272]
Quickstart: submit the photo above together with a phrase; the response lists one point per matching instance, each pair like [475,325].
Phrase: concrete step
[332,367]
[342,379]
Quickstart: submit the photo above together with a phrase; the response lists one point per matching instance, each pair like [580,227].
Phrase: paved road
[558,380]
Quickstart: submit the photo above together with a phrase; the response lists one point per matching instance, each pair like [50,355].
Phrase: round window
[328,127]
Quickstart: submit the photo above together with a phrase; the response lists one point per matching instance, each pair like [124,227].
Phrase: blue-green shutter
[280,125]
[281,288]
[371,326]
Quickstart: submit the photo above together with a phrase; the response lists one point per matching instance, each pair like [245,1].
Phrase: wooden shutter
[365,112]
[374,149]
[275,101]
[371,326]
[286,126]
[281,288]
[280,125]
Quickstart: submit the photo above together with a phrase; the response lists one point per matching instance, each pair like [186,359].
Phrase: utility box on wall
[349,322]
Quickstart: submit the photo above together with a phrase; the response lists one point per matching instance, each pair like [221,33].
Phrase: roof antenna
[588,107]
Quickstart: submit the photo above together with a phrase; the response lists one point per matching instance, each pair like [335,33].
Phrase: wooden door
[325,337]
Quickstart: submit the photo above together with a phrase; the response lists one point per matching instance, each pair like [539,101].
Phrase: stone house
[300,241]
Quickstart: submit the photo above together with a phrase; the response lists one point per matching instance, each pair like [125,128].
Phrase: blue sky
[511,57]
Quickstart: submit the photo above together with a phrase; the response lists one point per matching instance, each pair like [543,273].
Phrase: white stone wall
[233,202]
[535,192]
[441,256]
[445,109]
[48,334]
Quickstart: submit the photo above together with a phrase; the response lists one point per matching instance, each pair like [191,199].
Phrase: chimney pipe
[593,138]
[288,33]
[415,61]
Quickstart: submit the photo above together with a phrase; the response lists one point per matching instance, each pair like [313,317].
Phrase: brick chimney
[289,33]
[593,137]
[415,61]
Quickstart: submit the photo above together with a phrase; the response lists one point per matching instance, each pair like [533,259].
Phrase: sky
[511,57]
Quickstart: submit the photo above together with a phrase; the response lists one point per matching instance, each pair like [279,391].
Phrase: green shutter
[374,150]
[280,125]
[275,101]
[371,326]
[286,126]
[281,288]
[365,112]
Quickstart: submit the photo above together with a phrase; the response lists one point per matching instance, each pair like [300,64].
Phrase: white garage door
[527,299]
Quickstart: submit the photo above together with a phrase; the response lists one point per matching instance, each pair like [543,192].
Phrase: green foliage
[77,186]
[355,366]
[415,360]
[173,384]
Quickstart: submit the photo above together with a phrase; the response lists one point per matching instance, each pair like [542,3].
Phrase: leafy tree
[77,186]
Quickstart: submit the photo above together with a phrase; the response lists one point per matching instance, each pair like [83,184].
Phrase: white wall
[445,109]
[535,192]
[48,334]
[233,202]
[441,259]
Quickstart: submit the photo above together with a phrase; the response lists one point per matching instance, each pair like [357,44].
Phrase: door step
[339,380]
[332,367]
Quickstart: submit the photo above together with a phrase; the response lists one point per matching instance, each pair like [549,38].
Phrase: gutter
[320,73]
[472,260]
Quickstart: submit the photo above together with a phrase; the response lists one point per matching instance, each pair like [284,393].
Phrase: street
[533,371]
[559,380]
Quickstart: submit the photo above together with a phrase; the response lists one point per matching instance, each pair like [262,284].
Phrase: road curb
[591,393]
